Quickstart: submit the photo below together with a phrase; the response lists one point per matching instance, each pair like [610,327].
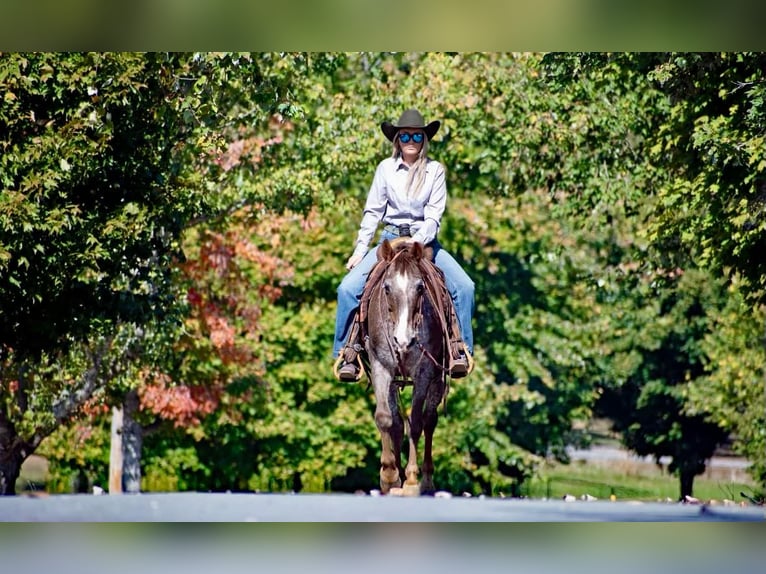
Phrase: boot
[348,372]
[459,367]
[461,362]
[348,366]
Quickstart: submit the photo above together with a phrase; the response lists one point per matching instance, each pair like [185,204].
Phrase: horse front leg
[389,424]
[431,417]
[412,471]
[389,469]
[430,420]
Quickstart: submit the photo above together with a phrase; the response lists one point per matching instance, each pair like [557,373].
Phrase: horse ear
[385,251]
[428,253]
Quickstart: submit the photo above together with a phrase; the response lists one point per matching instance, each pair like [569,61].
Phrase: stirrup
[462,365]
[347,371]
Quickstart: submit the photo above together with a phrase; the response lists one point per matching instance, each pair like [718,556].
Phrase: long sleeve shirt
[387,201]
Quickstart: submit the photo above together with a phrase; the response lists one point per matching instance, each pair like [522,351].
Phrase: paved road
[399,535]
[212,507]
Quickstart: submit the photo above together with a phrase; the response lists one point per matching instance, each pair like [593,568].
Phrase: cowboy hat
[410,119]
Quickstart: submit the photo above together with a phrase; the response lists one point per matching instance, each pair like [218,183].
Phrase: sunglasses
[405,137]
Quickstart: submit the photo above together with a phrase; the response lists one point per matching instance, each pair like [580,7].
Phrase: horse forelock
[405,262]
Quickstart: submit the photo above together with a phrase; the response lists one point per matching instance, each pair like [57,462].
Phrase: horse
[406,343]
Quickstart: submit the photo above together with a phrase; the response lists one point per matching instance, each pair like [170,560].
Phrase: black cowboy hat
[410,119]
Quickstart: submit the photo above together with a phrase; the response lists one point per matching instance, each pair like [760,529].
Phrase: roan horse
[406,342]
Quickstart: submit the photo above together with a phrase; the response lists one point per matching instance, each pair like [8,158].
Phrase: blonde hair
[416,174]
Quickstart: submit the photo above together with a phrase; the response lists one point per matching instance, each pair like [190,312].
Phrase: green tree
[713,206]
[650,407]
[699,168]
[106,159]
[713,209]
[557,181]
[731,391]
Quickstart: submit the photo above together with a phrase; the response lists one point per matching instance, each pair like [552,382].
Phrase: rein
[394,352]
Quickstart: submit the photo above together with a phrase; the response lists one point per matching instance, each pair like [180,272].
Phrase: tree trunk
[10,469]
[686,479]
[12,454]
[132,438]
[115,452]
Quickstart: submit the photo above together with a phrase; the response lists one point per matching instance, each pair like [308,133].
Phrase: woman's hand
[353,261]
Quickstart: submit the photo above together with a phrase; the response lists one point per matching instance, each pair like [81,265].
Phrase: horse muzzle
[403,347]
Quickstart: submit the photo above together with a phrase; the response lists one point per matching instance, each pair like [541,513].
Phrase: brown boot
[348,372]
[459,367]
[461,362]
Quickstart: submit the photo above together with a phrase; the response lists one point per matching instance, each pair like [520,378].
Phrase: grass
[629,480]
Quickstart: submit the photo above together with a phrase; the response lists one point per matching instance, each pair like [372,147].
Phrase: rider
[408,194]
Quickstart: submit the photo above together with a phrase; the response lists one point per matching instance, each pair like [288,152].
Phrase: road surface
[244,507]
[372,535]
[379,535]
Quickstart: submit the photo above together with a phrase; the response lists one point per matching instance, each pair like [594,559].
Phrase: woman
[409,195]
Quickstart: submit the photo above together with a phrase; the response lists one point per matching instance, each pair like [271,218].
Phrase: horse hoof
[411,490]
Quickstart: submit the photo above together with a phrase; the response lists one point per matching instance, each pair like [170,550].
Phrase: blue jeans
[459,285]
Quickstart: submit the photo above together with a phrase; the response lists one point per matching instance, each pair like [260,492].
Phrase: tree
[700,169]
[731,391]
[714,209]
[106,159]
[649,408]
[555,189]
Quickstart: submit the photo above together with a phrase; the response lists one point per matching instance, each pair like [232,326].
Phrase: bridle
[398,356]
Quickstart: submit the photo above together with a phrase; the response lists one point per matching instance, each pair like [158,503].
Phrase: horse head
[403,290]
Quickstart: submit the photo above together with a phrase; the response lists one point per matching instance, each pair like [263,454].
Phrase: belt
[402,230]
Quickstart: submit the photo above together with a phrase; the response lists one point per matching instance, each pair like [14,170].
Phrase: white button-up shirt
[388,201]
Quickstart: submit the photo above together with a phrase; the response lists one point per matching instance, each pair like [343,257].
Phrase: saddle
[439,297]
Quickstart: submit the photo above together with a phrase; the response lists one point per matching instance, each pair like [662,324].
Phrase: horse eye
[420,288]
[387,289]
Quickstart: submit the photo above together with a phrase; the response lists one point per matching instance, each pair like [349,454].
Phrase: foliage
[712,144]
[538,338]
[275,405]
[473,452]
[106,158]
[596,201]
[650,406]
[702,206]
[78,454]
[732,390]
[713,209]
